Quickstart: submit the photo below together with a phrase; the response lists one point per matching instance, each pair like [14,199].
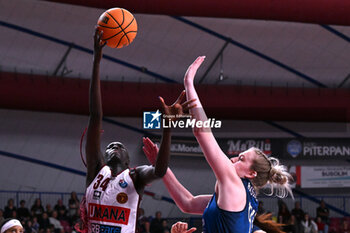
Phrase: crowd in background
[37,219]
[61,219]
[299,221]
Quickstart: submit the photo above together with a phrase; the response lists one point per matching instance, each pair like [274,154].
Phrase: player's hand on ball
[98,43]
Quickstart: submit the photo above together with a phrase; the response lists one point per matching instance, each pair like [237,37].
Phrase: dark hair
[264,223]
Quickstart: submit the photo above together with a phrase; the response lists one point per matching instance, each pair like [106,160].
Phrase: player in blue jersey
[233,206]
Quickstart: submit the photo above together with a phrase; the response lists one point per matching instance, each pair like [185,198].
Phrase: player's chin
[113,158]
[116,157]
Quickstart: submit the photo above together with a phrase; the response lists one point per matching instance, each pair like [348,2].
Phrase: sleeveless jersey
[216,220]
[112,203]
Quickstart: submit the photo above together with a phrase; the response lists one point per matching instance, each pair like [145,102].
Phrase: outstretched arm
[229,185]
[94,157]
[182,197]
[212,152]
[149,173]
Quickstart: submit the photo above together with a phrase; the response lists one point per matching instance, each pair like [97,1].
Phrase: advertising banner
[284,148]
[325,177]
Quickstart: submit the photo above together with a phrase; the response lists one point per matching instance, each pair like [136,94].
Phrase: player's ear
[252,174]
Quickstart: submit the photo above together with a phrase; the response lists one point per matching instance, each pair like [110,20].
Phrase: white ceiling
[167,46]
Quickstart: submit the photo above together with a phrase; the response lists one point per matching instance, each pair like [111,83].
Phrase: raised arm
[94,157]
[146,174]
[229,185]
[182,197]
[217,160]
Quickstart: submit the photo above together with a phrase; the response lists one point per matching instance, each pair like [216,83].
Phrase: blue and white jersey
[216,220]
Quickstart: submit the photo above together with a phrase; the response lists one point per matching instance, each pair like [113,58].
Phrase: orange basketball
[119,27]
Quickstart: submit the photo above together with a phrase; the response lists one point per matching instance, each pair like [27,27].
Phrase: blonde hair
[271,174]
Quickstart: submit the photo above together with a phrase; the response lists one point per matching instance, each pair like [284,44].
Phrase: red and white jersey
[112,203]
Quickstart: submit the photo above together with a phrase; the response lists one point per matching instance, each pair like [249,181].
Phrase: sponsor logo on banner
[235,147]
[322,149]
[325,177]
[99,228]
[107,213]
[294,148]
[185,148]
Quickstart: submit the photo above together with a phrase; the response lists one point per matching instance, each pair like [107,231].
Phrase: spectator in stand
[290,227]
[308,224]
[58,228]
[44,223]
[299,216]
[37,209]
[345,226]
[9,208]
[23,212]
[323,212]
[261,209]
[320,225]
[156,223]
[1,216]
[75,219]
[49,210]
[61,210]
[50,229]
[73,206]
[35,224]
[143,224]
[14,214]
[29,227]
[283,215]
[165,226]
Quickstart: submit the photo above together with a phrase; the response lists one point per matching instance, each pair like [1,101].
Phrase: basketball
[119,27]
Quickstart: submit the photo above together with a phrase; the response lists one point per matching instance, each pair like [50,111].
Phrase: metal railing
[339,205]
[30,196]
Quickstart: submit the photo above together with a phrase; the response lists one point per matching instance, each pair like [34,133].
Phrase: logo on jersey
[97,195]
[122,198]
[123,183]
[105,213]
[251,190]
[151,120]
[98,228]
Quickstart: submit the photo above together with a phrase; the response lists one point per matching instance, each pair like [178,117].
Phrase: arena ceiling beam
[334,12]
[70,95]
